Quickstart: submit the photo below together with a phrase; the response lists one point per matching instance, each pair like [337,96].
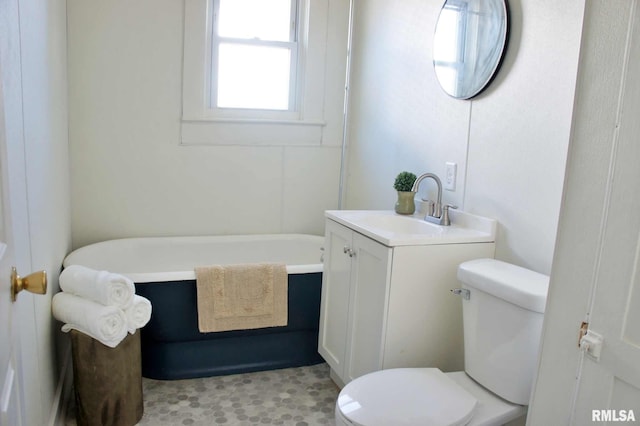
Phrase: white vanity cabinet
[390,306]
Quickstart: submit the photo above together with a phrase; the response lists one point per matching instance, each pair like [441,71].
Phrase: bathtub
[162,269]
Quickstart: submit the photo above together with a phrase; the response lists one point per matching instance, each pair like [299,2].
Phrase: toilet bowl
[419,398]
[502,324]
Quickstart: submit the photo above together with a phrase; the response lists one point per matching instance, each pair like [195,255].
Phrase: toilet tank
[502,325]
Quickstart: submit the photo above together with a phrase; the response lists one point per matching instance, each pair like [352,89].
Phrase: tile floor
[303,396]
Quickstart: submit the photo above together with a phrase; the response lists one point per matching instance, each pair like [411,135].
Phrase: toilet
[503,307]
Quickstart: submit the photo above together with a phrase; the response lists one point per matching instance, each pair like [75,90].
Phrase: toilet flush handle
[466,294]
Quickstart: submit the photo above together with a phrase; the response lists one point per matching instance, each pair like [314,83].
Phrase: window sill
[240,131]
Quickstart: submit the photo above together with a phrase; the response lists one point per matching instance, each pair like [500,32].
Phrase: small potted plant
[404,185]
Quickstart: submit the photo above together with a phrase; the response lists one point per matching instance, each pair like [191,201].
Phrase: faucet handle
[445,214]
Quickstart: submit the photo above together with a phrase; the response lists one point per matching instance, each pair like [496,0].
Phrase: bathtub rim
[187,275]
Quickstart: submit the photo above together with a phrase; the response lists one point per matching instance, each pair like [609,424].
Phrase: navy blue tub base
[173,347]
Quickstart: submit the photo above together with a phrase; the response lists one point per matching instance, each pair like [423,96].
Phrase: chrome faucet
[436,213]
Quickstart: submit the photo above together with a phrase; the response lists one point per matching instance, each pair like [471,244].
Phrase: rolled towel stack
[100,304]
[107,324]
[138,313]
[100,286]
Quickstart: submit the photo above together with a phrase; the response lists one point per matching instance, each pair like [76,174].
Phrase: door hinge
[584,327]
[590,342]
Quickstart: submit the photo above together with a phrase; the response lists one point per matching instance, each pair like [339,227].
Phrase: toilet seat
[406,397]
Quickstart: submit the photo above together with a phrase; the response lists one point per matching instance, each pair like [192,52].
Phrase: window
[255,54]
[266,72]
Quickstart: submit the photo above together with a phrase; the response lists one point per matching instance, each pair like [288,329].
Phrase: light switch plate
[450,176]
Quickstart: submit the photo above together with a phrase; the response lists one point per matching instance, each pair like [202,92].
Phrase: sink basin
[398,224]
[392,229]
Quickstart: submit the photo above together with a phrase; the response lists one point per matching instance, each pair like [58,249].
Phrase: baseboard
[57,416]
[336,379]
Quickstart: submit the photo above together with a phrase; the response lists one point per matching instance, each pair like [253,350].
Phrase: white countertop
[392,229]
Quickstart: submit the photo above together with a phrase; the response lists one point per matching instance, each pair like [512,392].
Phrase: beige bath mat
[241,297]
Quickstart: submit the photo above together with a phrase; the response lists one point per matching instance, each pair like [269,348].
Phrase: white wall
[399,118]
[129,175]
[510,143]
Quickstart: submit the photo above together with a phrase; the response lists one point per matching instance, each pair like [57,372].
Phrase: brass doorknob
[33,283]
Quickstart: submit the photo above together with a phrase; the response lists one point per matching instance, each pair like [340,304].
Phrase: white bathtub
[174,258]
[163,271]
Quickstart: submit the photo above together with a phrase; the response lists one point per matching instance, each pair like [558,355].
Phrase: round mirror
[469,42]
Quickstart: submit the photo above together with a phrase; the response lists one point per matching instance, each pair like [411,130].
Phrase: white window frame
[302,125]
[296,28]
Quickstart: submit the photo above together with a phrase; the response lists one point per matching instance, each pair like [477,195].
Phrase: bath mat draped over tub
[241,297]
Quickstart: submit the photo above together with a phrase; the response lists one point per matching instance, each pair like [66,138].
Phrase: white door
[595,276]
[21,401]
[609,387]
[10,376]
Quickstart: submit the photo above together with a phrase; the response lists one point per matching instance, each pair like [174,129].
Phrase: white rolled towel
[107,324]
[138,313]
[100,286]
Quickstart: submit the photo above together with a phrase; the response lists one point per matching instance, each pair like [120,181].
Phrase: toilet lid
[406,397]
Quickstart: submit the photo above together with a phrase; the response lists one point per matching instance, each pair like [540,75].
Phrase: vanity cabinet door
[334,306]
[354,302]
[370,277]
